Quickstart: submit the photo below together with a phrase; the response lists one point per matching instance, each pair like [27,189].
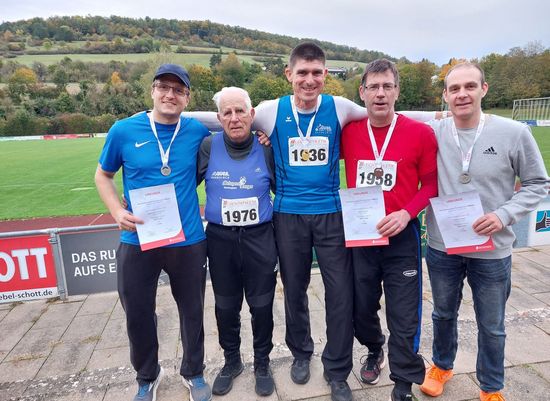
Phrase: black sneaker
[299,371]
[339,390]
[402,396]
[224,380]
[370,371]
[264,380]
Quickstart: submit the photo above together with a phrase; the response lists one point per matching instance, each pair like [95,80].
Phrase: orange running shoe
[435,380]
[483,396]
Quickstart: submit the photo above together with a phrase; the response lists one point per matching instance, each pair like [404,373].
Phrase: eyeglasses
[375,87]
[164,88]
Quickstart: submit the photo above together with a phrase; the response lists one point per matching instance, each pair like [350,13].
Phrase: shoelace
[143,390]
[226,370]
[371,360]
[262,370]
[300,363]
[437,374]
[340,385]
[495,397]
[198,382]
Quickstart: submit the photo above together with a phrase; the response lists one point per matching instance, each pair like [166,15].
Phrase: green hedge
[23,123]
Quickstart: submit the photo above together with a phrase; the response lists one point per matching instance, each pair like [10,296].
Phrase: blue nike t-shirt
[132,145]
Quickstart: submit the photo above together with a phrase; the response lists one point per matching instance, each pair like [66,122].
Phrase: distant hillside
[144,35]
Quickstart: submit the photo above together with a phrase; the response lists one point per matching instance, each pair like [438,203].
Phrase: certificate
[362,210]
[455,215]
[158,208]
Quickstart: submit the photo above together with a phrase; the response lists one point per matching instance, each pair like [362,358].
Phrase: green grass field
[55,178]
[185,59]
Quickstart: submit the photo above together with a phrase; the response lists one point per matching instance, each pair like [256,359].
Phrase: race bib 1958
[369,175]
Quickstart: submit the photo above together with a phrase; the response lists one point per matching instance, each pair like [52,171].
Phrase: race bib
[240,212]
[311,152]
[369,175]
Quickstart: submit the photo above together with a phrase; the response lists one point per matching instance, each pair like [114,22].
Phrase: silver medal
[165,170]
[464,178]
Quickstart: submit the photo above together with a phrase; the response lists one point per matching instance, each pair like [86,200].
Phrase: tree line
[148,35]
[80,97]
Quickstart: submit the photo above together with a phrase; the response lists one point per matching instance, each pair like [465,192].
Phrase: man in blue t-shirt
[159,148]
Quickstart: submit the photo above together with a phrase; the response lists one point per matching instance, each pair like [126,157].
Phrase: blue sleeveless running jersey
[132,145]
[227,178]
[307,189]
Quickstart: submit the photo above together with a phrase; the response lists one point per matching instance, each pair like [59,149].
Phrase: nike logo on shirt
[139,145]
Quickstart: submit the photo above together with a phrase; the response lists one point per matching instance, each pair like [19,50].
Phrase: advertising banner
[27,269]
[89,261]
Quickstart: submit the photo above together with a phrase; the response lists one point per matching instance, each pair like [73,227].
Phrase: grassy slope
[183,58]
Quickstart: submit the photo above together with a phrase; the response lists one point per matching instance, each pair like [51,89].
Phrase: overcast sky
[436,30]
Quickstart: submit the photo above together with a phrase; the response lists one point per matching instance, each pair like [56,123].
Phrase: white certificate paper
[362,210]
[158,208]
[455,215]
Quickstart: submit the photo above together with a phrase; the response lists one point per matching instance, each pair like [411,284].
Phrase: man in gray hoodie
[483,153]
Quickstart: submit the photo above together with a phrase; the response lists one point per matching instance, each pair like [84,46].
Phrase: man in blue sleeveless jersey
[155,148]
[304,130]
[242,256]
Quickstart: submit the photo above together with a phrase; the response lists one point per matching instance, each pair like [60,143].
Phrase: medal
[165,170]
[379,156]
[464,178]
[304,154]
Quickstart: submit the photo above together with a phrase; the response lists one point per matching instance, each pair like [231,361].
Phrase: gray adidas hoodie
[505,149]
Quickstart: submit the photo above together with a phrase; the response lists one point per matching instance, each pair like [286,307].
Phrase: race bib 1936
[310,152]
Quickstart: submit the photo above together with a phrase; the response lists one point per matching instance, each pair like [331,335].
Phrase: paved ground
[78,350]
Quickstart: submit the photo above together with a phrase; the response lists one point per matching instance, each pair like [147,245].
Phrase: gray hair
[380,66]
[218,96]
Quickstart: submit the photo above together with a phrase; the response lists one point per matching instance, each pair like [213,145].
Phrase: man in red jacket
[399,154]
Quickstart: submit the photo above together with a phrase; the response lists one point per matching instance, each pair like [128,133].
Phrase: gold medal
[304,154]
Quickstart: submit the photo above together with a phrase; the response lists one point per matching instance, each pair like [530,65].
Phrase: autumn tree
[231,71]
[20,84]
[266,87]
[333,86]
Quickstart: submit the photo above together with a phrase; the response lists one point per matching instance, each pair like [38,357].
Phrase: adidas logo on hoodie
[490,151]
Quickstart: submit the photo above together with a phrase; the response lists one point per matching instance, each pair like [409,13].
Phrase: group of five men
[246,231]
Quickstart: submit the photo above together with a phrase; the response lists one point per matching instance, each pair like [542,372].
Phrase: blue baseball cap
[176,70]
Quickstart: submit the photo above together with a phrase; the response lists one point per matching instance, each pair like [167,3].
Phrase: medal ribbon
[164,156]
[378,157]
[310,126]
[466,158]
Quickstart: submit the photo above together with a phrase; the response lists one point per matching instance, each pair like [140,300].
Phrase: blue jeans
[490,281]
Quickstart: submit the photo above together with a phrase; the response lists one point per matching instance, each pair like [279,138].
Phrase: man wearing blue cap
[155,148]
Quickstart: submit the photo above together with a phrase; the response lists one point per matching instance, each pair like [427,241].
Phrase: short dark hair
[308,51]
[464,64]
[379,66]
